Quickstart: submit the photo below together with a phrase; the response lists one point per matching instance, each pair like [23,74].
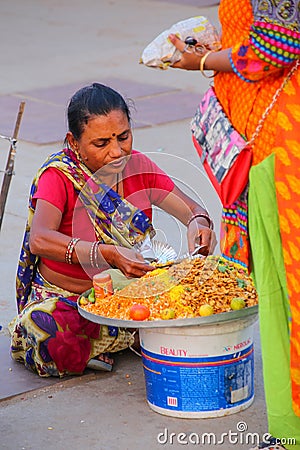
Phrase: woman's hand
[194,217]
[130,262]
[218,61]
[198,234]
[190,60]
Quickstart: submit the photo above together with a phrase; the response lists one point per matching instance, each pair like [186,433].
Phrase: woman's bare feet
[105,357]
[101,362]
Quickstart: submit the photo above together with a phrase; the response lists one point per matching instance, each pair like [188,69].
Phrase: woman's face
[106,142]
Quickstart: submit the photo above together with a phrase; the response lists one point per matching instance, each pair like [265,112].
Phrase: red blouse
[144,185]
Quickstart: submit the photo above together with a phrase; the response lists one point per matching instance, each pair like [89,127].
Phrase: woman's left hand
[190,60]
[200,235]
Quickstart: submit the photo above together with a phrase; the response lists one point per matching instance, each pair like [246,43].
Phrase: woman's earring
[75,150]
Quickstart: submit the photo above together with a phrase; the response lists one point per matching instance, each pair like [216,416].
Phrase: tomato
[139,312]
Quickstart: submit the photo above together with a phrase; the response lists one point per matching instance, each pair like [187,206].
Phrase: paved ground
[48,50]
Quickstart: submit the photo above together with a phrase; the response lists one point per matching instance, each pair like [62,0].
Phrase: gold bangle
[202,62]
[70,250]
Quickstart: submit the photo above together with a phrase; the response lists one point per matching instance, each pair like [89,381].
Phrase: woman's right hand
[130,262]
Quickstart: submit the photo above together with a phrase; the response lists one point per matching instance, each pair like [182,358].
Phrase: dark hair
[94,100]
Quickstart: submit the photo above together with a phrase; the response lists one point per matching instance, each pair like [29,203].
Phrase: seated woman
[89,208]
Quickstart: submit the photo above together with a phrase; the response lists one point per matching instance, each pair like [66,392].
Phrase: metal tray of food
[164,253]
[192,321]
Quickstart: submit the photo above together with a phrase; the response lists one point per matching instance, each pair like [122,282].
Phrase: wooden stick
[9,170]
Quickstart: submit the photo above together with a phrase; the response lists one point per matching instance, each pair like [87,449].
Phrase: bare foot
[101,362]
[105,357]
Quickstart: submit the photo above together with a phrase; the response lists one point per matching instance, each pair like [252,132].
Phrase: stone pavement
[49,49]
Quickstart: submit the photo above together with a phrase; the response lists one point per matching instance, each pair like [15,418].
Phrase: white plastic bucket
[199,371]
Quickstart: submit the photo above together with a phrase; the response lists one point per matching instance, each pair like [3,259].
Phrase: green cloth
[274,316]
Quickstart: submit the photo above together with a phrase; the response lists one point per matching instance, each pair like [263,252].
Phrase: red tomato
[139,312]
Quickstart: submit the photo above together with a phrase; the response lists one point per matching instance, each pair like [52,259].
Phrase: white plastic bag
[161,53]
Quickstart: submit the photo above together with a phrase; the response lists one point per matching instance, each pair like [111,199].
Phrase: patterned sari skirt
[51,338]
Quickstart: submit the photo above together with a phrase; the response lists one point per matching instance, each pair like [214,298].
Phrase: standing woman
[90,205]
[261,231]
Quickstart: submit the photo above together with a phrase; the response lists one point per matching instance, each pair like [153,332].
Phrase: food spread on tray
[191,288]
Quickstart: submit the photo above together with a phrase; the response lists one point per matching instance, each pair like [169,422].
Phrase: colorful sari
[49,336]
[264,38]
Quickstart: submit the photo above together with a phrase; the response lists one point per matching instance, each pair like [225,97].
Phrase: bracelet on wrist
[94,255]
[202,62]
[96,260]
[204,216]
[70,250]
[91,254]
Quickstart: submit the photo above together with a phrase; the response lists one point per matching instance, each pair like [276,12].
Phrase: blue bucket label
[199,384]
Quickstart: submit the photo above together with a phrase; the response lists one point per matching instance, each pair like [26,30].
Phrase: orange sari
[245,101]
[287,179]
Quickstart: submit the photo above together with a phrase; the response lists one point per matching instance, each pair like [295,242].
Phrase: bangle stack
[204,216]
[202,62]
[94,255]
[70,250]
